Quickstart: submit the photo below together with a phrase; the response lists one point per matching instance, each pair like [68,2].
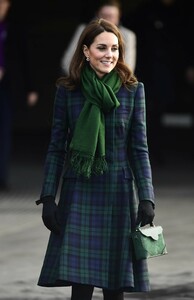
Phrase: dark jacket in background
[14,86]
[160,62]
[17,59]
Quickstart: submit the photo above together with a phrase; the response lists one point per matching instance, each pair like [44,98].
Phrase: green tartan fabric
[98,214]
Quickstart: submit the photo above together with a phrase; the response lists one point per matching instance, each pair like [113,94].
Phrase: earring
[87,58]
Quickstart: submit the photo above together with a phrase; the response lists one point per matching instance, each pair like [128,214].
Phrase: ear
[85,51]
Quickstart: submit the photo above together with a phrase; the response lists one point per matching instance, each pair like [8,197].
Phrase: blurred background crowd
[39,35]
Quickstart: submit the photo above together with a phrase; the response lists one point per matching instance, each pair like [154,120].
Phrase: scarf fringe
[86,166]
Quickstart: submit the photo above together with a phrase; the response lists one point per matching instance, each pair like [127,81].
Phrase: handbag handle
[139,225]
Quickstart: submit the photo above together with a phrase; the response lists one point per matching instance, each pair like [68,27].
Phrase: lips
[105,62]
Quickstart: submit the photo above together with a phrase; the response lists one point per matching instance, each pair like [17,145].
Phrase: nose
[108,53]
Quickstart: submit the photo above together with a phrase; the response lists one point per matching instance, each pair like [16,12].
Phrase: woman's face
[103,53]
[110,13]
[4,7]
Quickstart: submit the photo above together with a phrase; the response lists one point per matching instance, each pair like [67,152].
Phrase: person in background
[187,91]
[159,26]
[111,11]
[13,53]
[98,148]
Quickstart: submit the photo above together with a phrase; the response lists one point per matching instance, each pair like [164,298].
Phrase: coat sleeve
[55,157]
[139,154]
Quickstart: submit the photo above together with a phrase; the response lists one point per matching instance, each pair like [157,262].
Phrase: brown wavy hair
[93,29]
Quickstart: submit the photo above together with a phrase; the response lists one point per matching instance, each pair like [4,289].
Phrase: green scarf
[87,148]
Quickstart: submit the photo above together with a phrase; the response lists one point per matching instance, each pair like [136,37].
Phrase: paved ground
[23,238]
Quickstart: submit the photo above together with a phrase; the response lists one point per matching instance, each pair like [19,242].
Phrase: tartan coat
[98,214]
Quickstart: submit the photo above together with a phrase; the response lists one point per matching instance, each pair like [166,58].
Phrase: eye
[101,48]
[115,49]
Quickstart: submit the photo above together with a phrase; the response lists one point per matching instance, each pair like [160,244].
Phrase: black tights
[84,292]
[112,295]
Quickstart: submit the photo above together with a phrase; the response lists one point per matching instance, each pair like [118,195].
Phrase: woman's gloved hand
[145,214]
[49,213]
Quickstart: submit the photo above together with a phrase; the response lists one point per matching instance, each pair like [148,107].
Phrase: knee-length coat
[98,214]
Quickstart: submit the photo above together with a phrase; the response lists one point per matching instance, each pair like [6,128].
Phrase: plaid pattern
[98,214]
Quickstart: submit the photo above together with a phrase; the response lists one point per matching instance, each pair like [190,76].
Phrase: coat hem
[64,283]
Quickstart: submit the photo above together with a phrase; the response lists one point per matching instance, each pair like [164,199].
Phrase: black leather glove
[145,214]
[49,213]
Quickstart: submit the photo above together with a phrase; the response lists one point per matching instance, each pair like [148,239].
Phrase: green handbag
[148,242]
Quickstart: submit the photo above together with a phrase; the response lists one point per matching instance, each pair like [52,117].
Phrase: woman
[99,141]
[110,10]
